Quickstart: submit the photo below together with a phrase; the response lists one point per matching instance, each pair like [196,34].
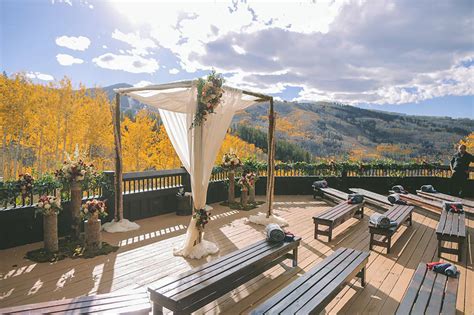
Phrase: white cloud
[174,71]
[142,83]
[75,43]
[68,60]
[128,63]
[140,45]
[39,76]
[104,46]
[354,51]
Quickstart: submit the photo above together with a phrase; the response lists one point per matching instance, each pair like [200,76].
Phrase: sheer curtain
[196,147]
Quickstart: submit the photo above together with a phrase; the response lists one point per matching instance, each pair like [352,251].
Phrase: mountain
[324,129]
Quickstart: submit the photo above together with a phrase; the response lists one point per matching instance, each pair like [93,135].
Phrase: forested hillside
[335,130]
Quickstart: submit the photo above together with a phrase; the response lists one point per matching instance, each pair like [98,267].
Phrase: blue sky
[389,55]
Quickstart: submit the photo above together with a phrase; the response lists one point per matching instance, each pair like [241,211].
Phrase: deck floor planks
[149,258]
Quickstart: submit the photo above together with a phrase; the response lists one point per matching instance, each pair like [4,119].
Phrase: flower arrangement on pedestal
[25,185]
[251,178]
[74,174]
[91,211]
[49,207]
[209,97]
[244,184]
[231,162]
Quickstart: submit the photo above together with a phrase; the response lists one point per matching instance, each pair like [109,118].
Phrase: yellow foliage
[284,125]
[469,142]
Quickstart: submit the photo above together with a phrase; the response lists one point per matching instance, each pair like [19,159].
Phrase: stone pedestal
[93,239]
[244,197]
[76,201]
[252,194]
[50,232]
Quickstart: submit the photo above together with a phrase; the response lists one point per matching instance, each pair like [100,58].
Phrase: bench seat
[399,214]
[191,290]
[375,199]
[440,197]
[451,228]
[334,195]
[313,291]
[429,293]
[122,302]
[335,216]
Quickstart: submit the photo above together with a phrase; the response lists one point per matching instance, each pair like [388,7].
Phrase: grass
[68,249]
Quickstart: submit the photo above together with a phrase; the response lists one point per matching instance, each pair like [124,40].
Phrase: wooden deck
[146,255]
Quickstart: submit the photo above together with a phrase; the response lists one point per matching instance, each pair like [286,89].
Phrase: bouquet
[251,178]
[25,184]
[74,169]
[209,97]
[231,161]
[93,209]
[48,205]
[244,183]
[202,217]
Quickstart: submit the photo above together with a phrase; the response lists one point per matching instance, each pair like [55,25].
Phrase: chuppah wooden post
[271,157]
[118,160]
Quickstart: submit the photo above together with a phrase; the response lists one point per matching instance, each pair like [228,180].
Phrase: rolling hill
[323,129]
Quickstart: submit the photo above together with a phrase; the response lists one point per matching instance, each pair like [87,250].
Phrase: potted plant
[231,162]
[49,207]
[91,212]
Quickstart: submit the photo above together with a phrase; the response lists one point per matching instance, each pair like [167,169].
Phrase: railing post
[108,194]
[186,181]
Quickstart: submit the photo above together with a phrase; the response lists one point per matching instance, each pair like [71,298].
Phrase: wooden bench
[440,197]
[189,291]
[429,293]
[335,216]
[398,214]
[333,194]
[451,228]
[313,291]
[422,202]
[126,302]
[373,198]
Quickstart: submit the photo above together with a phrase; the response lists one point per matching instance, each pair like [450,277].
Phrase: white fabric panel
[196,147]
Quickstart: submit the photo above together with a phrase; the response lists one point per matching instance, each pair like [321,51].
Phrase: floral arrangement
[202,217]
[25,184]
[74,169]
[231,161]
[251,178]
[48,205]
[93,209]
[244,183]
[209,97]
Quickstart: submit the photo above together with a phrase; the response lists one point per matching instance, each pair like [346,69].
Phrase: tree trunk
[76,201]
[50,232]
[4,152]
[93,238]
[252,193]
[231,197]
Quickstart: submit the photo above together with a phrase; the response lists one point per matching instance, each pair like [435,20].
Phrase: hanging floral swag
[209,97]
[202,217]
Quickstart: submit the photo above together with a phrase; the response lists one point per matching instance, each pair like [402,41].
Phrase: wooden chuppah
[187,84]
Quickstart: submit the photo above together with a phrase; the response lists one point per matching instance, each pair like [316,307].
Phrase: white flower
[47,206]
[85,210]
[58,203]
[83,172]
[80,177]
[40,204]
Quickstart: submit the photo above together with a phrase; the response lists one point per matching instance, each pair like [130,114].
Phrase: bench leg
[316,226]
[371,241]
[157,309]
[361,276]
[389,244]
[410,219]
[330,233]
[460,246]
[295,257]
[439,248]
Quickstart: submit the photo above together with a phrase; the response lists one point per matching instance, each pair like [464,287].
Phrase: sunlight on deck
[146,255]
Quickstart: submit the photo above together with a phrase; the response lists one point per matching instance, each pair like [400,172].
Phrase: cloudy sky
[398,55]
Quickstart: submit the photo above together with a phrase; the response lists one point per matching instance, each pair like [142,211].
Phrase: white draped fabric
[196,147]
